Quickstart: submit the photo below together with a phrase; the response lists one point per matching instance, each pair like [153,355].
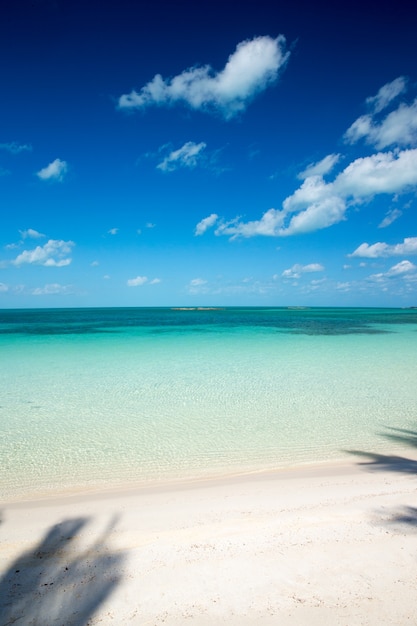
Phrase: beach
[231,466]
[331,543]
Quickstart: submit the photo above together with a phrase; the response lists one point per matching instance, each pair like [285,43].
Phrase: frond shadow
[60,581]
[407,515]
[391,463]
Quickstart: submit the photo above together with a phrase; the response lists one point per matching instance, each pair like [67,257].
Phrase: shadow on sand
[62,581]
[407,515]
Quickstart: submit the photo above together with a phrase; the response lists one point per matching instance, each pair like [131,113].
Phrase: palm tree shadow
[391,463]
[406,516]
[60,581]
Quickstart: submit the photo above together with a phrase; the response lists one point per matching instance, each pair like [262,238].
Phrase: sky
[208,153]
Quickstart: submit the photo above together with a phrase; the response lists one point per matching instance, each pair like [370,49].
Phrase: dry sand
[332,544]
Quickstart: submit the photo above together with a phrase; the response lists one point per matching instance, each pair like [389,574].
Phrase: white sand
[314,545]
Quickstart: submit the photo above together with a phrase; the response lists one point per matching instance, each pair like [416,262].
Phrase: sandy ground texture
[332,544]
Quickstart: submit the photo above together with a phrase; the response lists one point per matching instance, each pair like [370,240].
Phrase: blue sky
[168,154]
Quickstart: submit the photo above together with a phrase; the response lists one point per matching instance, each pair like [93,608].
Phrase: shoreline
[348,462]
[319,544]
[165,484]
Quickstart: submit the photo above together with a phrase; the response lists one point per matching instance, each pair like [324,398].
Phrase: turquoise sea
[105,397]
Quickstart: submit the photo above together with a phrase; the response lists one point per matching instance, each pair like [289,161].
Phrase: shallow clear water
[93,397]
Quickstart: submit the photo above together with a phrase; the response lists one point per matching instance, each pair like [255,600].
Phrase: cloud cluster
[399,127]
[53,254]
[54,171]
[319,203]
[380,249]
[253,66]
[400,269]
[187,156]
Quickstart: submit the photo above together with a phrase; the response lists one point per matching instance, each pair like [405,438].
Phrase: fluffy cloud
[297,270]
[206,223]
[321,168]
[15,148]
[137,282]
[400,269]
[269,225]
[3,288]
[403,267]
[399,127]
[253,66]
[53,254]
[384,172]
[379,249]
[113,231]
[186,156]
[54,171]
[321,214]
[319,204]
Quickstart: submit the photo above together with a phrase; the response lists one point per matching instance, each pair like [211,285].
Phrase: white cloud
[380,249]
[197,282]
[137,282]
[52,289]
[54,171]
[322,204]
[155,281]
[186,156]
[383,172]
[386,94]
[297,270]
[402,269]
[321,168]
[318,204]
[53,254]
[3,288]
[205,224]
[30,233]
[250,69]
[113,231]
[316,216]
[390,217]
[15,148]
[269,225]
[399,127]
[94,264]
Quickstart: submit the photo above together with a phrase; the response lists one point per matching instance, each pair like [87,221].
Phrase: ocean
[94,398]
